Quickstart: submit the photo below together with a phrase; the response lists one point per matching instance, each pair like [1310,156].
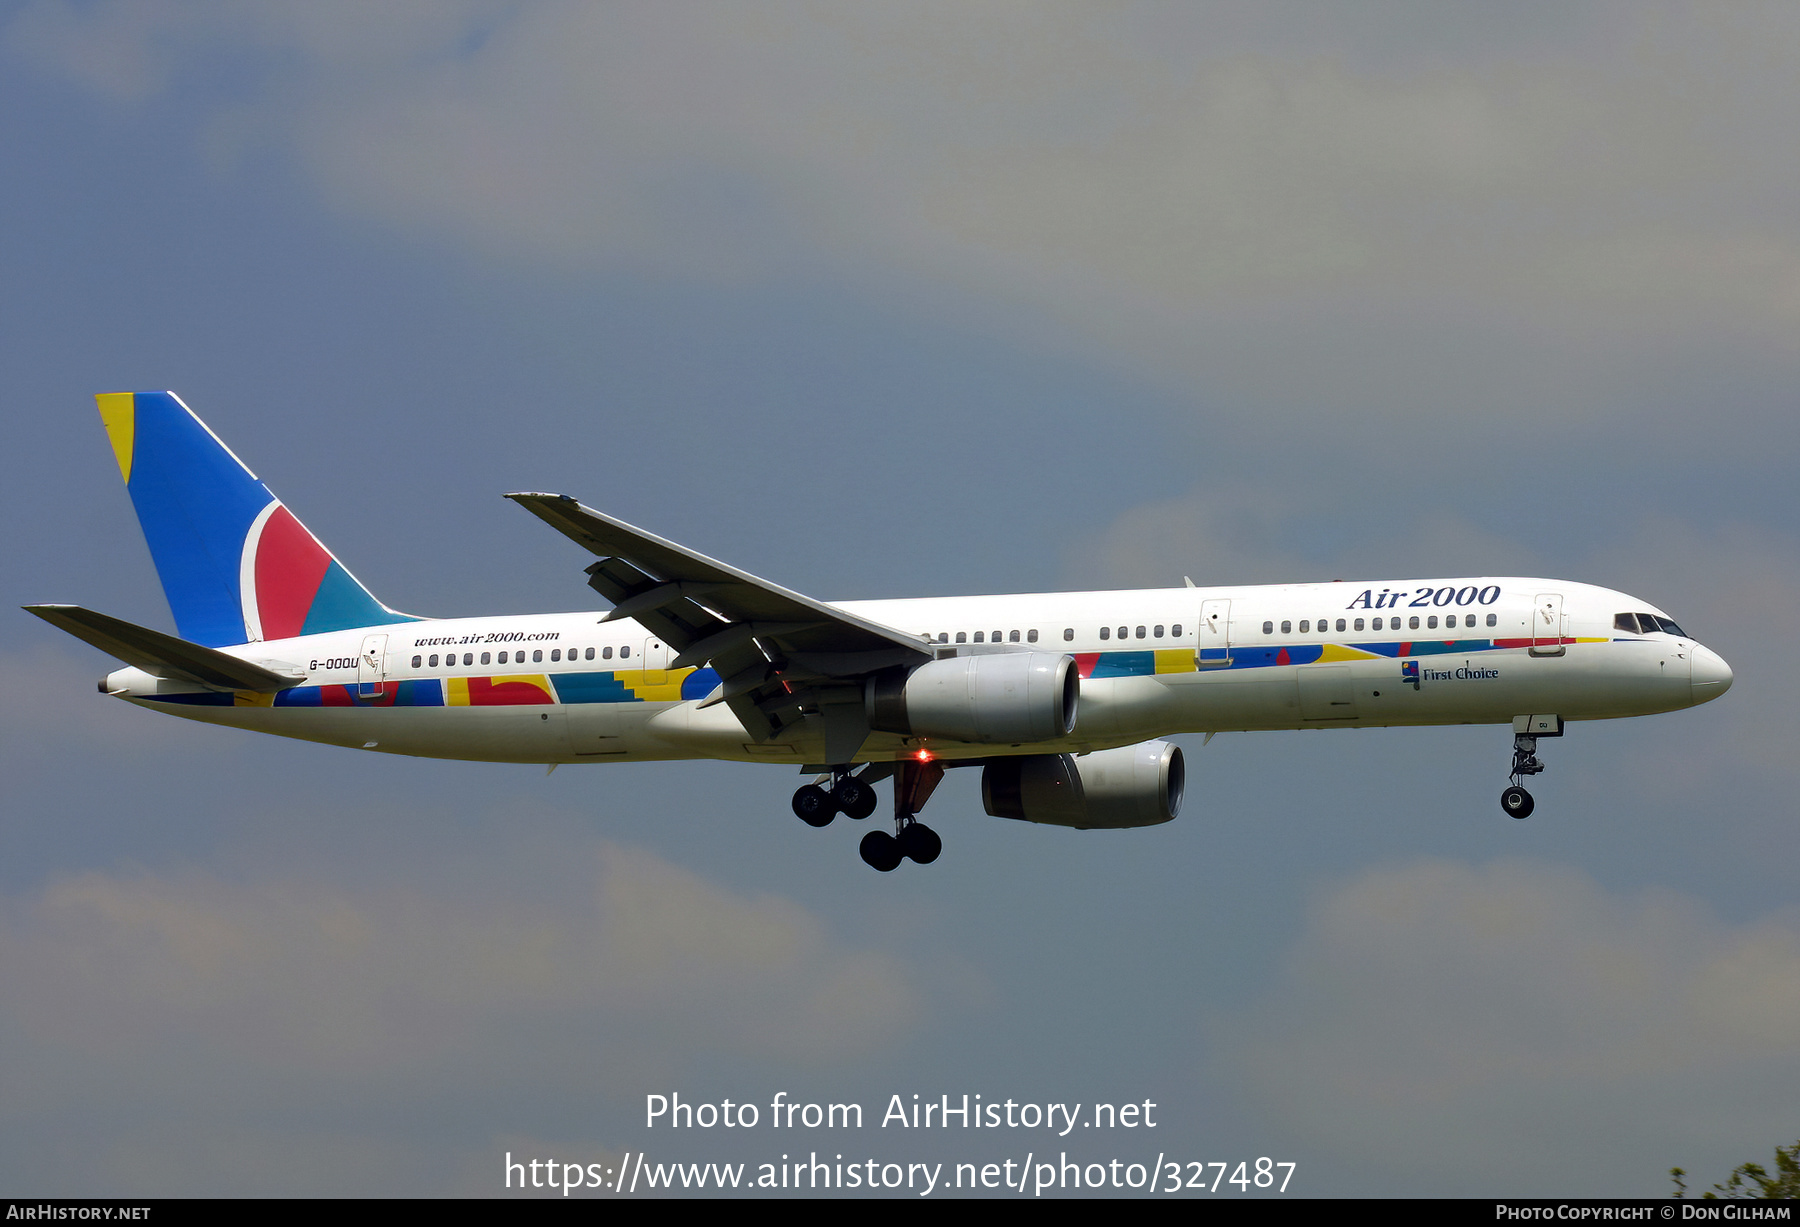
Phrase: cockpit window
[1646,624]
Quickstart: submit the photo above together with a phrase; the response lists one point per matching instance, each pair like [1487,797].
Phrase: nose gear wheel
[1515,800]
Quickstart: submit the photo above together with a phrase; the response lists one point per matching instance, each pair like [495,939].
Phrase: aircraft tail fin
[235,564]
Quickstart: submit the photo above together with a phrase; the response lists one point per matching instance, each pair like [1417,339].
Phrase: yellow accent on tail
[118,412]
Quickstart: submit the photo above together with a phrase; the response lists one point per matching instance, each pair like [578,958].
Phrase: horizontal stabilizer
[162,655]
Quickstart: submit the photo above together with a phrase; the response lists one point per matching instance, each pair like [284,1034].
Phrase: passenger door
[1549,625]
[1215,635]
[371,667]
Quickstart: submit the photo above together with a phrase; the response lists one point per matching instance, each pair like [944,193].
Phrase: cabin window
[1431,622]
[1031,636]
[1106,632]
[1493,620]
[1140,632]
[1287,628]
[537,655]
[1268,628]
[1412,623]
[1375,625]
[995,637]
[434,660]
[1340,624]
[555,653]
[1359,624]
[1157,632]
[1068,634]
[416,662]
[962,636]
[487,658]
[1175,631]
[1305,625]
[625,652]
[977,636]
[605,653]
[1013,637]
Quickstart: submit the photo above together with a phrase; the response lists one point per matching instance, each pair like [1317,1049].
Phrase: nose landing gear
[1526,730]
[1517,802]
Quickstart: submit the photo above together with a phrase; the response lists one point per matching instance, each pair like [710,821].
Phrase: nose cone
[1708,673]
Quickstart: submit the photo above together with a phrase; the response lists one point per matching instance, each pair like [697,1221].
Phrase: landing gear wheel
[920,842]
[1517,802]
[812,805]
[853,797]
[881,851]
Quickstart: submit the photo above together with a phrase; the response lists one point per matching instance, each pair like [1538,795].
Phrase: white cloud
[1199,199]
[1517,1027]
[200,998]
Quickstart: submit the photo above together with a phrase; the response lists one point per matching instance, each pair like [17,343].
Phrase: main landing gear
[849,795]
[854,795]
[1526,730]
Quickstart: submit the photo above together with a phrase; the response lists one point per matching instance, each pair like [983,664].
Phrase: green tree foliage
[1753,1179]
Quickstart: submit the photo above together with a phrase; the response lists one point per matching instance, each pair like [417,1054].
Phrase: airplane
[1062,699]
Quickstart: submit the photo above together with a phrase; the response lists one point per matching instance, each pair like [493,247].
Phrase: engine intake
[1006,697]
[1132,786]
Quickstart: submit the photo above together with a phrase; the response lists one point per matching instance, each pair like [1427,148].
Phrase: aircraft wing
[162,655]
[779,655]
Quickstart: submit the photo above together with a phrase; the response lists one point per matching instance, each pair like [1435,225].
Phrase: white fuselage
[1153,662]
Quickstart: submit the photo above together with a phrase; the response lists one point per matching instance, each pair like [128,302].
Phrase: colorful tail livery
[236,565]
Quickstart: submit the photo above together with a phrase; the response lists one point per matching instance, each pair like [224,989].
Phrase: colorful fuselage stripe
[677,685]
[503,690]
[1098,665]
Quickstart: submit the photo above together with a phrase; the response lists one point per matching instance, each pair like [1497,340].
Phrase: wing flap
[704,585]
[781,657]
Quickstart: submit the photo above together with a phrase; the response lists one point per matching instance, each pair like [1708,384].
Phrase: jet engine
[1011,697]
[1132,786]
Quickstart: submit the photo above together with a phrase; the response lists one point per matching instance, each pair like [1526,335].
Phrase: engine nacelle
[1132,786]
[1010,697]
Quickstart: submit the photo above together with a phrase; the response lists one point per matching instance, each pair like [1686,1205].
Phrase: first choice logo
[1411,674]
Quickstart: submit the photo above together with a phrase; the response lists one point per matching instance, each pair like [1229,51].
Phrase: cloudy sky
[886,300]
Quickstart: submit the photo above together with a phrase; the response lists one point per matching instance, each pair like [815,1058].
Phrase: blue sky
[907,300]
